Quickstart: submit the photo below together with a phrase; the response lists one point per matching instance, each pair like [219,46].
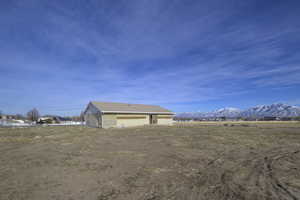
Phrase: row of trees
[34,115]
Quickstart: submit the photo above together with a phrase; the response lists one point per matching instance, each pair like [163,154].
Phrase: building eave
[134,112]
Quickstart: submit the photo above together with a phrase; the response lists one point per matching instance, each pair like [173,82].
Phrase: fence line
[5,123]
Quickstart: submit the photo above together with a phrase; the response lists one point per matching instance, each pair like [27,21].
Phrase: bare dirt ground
[186,161]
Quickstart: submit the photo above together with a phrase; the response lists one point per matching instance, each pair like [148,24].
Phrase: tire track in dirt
[251,176]
[262,179]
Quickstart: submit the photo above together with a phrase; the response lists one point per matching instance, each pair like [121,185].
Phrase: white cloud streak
[149,52]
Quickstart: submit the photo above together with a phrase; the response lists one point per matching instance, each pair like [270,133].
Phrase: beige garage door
[132,120]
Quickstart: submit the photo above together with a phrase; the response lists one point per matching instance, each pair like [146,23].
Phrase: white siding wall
[165,120]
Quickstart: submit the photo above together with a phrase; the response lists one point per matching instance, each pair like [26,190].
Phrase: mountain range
[273,110]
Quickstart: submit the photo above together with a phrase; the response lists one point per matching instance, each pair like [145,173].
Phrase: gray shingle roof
[109,107]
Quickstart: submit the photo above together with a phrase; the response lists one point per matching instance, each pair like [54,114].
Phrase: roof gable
[110,107]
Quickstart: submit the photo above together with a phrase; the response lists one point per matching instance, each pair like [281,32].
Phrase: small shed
[108,114]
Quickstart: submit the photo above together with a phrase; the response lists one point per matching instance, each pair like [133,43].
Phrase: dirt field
[187,161]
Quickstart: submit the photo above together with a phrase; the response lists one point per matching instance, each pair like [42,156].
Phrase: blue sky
[184,55]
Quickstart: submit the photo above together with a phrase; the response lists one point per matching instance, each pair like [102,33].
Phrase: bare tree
[33,115]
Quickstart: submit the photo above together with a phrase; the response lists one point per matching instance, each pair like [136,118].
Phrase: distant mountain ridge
[273,110]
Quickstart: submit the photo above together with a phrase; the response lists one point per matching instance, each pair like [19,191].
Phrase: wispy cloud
[162,52]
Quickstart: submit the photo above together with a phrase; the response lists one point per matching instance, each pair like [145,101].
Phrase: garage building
[108,114]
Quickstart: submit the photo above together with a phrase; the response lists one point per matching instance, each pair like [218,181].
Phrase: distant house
[107,114]
[47,120]
[269,118]
[7,117]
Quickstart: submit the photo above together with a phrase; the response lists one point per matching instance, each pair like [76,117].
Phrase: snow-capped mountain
[273,110]
[223,112]
[227,112]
